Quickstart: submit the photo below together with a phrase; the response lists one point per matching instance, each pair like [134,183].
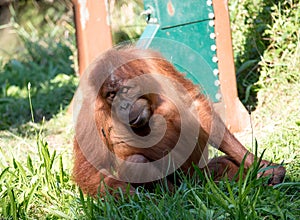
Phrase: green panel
[178,12]
[195,36]
[186,39]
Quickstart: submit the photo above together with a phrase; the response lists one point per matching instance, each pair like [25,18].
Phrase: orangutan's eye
[125,89]
[111,95]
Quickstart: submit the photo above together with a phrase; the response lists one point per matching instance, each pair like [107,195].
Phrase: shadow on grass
[49,71]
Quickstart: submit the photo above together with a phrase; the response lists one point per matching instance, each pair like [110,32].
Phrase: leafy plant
[47,64]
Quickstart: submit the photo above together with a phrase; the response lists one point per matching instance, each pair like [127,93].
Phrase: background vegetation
[36,133]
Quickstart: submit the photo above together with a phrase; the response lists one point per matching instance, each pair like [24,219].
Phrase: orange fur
[126,64]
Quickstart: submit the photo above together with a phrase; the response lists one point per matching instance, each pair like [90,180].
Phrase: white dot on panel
[217,83]
[218,96]
[211,23]
[212,35]
[209,2]
[213,47]
[216,72]
[215,59]
[211,15]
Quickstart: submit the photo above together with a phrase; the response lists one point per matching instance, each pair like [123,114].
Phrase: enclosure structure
[193,35]
[93,32]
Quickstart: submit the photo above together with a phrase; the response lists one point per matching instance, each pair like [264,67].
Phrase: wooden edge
[93,31]
[233,112]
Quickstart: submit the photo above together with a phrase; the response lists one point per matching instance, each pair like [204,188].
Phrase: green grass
[36,146]
[42,188]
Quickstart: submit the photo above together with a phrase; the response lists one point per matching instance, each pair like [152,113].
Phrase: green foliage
[201,198]
[43,188]
[53,84]
[46,63]
[44,16]
[126,20]
[281,63]
[265,38]
[266,44]
[35,188]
